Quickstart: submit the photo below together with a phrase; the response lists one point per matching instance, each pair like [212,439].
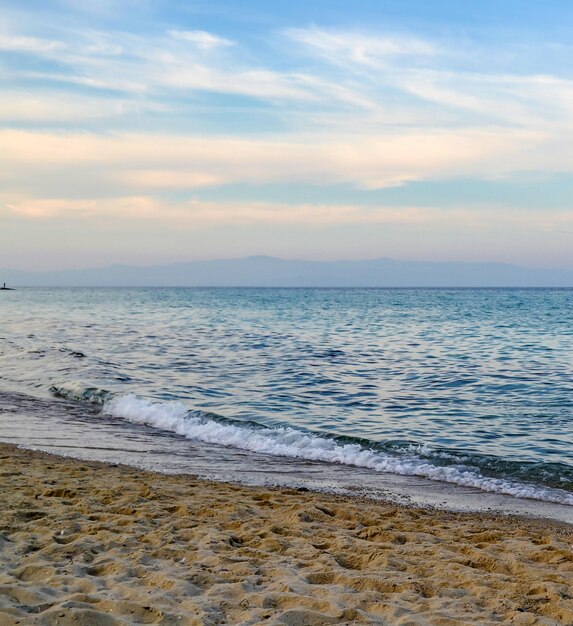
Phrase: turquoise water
[471,387]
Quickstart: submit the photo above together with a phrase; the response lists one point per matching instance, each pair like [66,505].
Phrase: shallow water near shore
[455,394]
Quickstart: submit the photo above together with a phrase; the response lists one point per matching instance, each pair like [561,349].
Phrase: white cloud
[355,109]
[201,38]
[527,101]
[32,45]
[22,106]
[263,84]
[422,76]
[365,161]
[362,124]
[168,179]
[359,81]
[195,215]
[45,208]
[167,65]
[344,48]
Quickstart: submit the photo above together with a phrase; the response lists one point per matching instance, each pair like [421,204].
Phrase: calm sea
[472,388]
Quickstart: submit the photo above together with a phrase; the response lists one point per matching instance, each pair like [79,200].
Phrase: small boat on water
[4,288]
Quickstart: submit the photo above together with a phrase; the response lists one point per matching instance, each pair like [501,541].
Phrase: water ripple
[486,371]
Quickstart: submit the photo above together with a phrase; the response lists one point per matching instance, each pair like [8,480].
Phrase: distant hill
[264,271]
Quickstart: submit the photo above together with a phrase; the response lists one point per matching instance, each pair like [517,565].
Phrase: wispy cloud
[171,64]
[168,179]
[344,48]
[364,161]
[33,106]
[138,122]
[444,78]
[201,39]
[355,80]
[32,45]
[196,214]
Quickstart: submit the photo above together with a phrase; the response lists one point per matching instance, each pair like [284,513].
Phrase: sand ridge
[90,544]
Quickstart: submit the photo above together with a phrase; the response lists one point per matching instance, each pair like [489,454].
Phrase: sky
[158,131]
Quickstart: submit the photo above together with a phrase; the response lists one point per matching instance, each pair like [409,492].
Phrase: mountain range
[265,271]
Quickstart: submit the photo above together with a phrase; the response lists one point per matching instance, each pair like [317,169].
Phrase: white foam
[289,442]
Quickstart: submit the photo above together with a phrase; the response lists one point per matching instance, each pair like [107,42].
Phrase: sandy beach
[89,544]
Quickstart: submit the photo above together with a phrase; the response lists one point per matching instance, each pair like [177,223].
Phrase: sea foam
[293,443]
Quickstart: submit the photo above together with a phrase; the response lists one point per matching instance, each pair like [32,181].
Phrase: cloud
[531,100]
[362,81]
[170,64]
[311,106]
[196,213]
[375,161]
[168,179]
[359,124]
[45,208]
[201,38]
[344,47]
[30,106]
[457,83]
[33,45]
[258,83]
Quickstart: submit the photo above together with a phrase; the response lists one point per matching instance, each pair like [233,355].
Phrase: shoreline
[24,422]
[87,543]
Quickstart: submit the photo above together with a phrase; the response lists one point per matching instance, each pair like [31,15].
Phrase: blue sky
[147,132]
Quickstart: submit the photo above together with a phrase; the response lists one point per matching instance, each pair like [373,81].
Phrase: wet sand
[90,544]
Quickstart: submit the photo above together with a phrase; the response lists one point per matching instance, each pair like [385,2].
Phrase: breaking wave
[293,443]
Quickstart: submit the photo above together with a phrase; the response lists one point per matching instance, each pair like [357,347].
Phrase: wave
[76,390]
[293,443]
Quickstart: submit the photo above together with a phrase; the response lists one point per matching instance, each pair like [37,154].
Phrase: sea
[455,398]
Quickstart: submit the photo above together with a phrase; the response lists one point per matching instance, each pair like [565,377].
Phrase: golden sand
[95,545]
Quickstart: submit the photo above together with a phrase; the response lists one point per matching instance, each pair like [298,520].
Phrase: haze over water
[466,387]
